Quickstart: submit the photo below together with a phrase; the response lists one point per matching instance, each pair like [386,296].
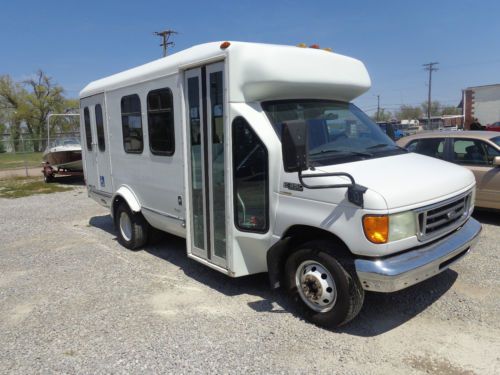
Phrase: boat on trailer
[63,157]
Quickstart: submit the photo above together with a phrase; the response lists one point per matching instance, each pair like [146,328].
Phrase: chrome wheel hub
[316,286]
[125,226]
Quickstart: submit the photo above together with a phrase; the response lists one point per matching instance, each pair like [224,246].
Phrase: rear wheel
[48,176]
[131,227]
[326,292]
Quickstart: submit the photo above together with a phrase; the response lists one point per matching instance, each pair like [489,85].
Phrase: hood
[407,179]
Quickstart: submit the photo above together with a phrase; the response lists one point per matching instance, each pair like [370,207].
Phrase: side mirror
[295,146]
[496,161]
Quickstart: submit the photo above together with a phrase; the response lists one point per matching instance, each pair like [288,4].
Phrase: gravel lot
[72,300]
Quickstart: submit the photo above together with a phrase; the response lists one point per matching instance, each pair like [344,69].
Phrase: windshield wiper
[342,152]
[380,145]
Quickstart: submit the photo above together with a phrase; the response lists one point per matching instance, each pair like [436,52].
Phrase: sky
[76,42]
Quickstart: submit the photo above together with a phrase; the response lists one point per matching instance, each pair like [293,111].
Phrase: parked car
[390,129]
[495,127]
[479,151]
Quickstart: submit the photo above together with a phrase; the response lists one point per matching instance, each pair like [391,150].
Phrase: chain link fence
[23,156]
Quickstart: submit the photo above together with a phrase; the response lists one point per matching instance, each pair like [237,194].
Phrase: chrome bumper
[403,270]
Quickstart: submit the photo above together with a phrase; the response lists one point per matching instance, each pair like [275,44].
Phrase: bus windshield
[338,132]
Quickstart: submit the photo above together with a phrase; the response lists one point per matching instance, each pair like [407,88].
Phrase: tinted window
[250,166]
[99,123]
[496,140]
[161,122]
[88,132]
[132,124]
[433,147]
[469,151]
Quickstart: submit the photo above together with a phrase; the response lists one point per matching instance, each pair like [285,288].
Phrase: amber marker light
[224,45]
[376,228]
[302,45]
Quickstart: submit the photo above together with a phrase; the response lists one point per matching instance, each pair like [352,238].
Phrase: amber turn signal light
[376,228]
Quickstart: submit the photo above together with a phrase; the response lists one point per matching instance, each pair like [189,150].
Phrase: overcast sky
[79,41]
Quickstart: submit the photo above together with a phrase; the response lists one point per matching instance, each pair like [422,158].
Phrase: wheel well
[116,202]
[291,240]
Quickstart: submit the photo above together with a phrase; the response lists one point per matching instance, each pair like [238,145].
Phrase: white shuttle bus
[255,155]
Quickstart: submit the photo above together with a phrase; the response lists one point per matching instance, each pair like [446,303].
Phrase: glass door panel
[216,113]
[206,128]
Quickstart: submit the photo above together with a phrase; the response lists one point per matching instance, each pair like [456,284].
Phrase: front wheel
[131,227]
[327,293]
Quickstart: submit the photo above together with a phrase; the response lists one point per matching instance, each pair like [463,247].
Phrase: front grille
[443,217]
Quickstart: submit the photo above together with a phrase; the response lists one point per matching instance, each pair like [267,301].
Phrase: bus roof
[257,72]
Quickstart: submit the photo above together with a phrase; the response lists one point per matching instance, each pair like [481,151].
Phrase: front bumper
[409,268]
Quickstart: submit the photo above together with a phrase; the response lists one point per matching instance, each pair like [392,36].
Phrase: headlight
[381,229]
[402,225]
[472,201]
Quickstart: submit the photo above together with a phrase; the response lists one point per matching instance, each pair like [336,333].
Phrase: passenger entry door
[205,104]
[97,161]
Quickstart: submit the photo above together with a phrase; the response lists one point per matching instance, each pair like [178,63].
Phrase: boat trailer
[49,172]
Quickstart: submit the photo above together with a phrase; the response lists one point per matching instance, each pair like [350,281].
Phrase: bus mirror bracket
[355,192]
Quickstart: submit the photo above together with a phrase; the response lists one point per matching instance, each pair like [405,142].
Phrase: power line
[165,35]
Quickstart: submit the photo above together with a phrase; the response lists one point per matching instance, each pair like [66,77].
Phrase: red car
[494,127]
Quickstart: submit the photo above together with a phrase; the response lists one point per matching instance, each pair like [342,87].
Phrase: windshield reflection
[338,132]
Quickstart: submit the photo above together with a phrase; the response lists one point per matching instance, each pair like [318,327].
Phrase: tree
[451,110]
[383,115]
[14,108]
[408,112]
[31,102]
[435,108]
[44,97]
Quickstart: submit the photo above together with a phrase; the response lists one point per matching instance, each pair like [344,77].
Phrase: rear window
[88,131]
[496,140]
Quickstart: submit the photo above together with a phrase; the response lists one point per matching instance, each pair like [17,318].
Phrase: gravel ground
[73,301]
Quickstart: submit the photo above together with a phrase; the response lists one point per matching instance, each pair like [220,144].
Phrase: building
[442,122]
[481,102]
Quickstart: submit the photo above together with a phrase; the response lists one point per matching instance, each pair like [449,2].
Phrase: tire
[48,178]
[131,228]
[327,292]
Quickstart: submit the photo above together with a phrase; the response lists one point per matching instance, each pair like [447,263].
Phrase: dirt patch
[437,366]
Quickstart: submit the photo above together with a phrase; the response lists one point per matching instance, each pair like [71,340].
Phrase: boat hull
[70,160]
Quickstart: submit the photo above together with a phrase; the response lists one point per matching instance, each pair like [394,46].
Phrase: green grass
[25,186]
[10,160]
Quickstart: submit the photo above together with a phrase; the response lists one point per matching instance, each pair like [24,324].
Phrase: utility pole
[429,67]
[165,35]
[378,107]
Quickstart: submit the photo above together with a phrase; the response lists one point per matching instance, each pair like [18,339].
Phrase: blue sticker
[101,181]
